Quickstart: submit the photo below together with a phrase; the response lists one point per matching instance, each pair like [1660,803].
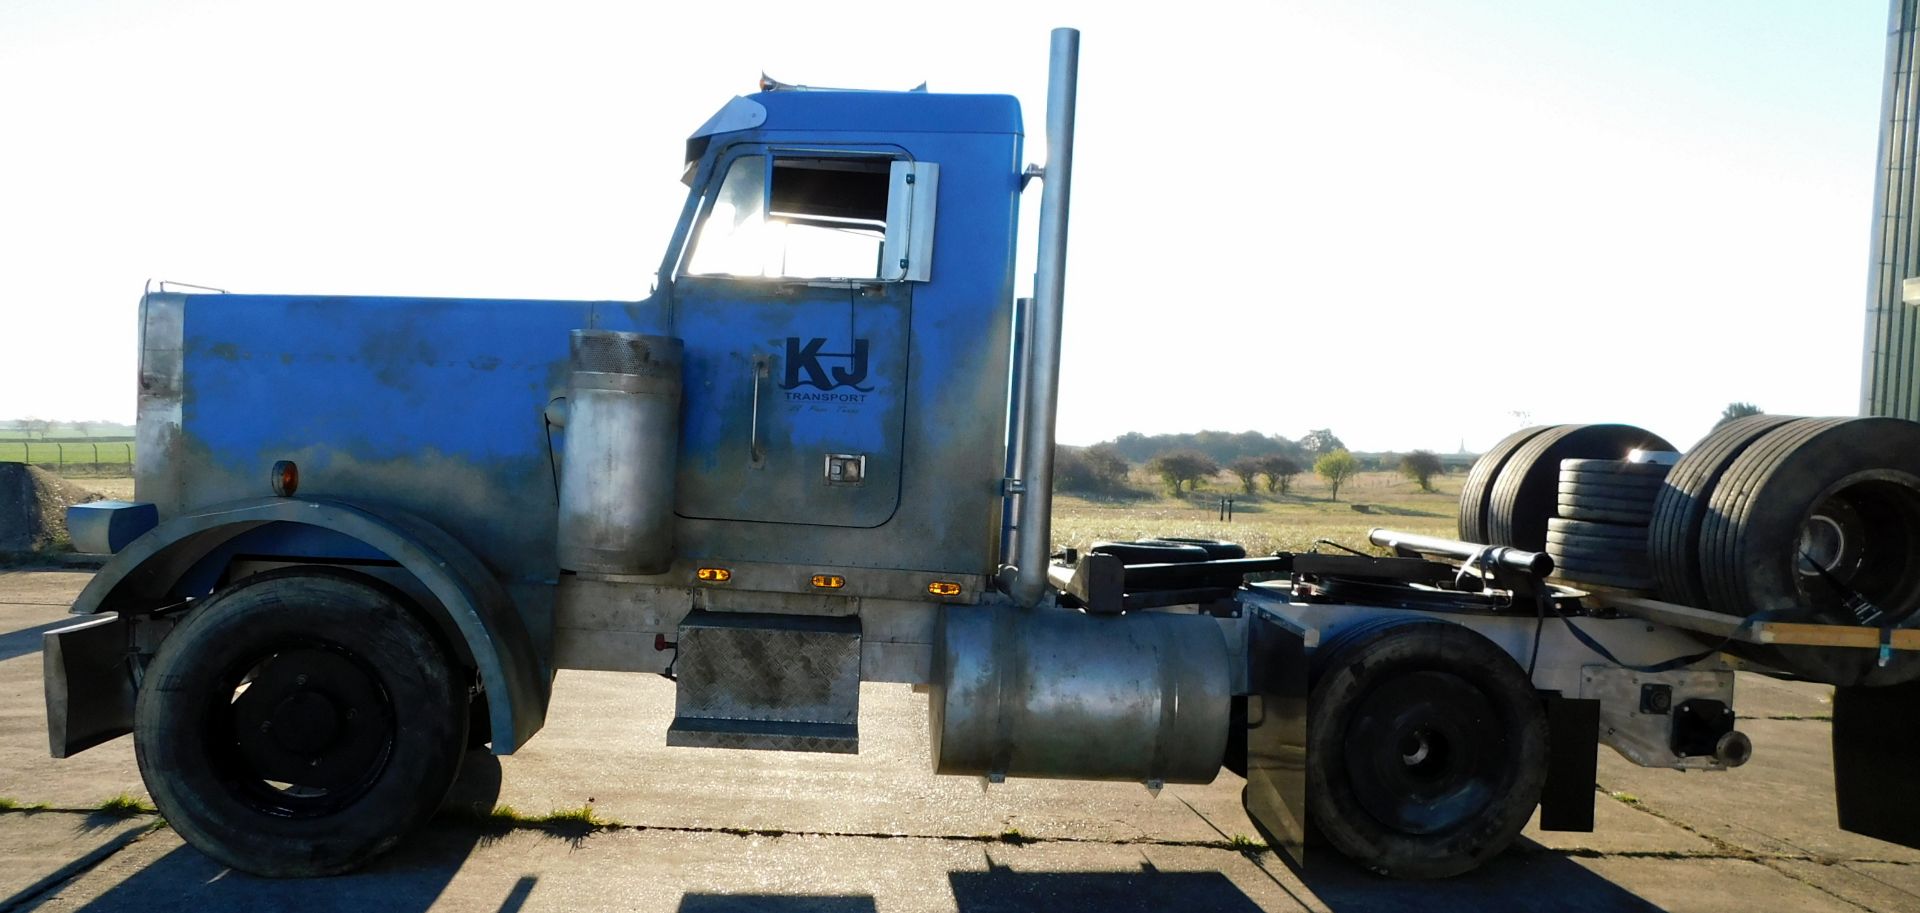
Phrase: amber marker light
[829,581]
[286,478]
[714,574]
[943,588]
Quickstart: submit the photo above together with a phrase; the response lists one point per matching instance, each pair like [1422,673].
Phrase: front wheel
[299,724]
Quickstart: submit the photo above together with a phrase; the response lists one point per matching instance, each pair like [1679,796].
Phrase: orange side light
[714,574]
[829,581]
[943,588]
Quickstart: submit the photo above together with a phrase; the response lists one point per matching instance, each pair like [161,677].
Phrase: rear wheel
[1821,516]
[299,724]
[1426,748]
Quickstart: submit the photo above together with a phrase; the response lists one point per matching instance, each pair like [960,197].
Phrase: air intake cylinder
[622,434]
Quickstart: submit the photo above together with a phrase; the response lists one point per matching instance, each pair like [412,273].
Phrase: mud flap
[1573,759]
[1876,736]
[1276,796]
[89,684]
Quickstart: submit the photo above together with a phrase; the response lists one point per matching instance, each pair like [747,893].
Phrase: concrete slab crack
[72,870]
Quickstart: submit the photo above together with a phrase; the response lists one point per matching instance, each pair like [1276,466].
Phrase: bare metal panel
[1642,734]
[1051,692]
[780,682]
[623,430]
[159,468]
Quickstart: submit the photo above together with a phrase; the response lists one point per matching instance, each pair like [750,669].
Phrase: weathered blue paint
[435,408]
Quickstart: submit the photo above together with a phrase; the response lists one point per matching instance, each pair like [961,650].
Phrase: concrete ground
[708,831]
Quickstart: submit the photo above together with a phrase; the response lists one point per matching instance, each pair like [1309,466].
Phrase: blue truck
[369,530]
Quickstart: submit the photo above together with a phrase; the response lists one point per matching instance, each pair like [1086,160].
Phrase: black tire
[1478,488]
[1595,509]
[1673,537]
[1602,572]
[1150,552]
[1216,549]
[337,673]
[1620,471]
[1845,493]
[1629,560]
[1586,483]
[1477,761]
[1560,529]
[1524,494]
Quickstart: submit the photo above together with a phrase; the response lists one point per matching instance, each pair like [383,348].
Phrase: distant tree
[1070,471]
[1421,466]
[1089,470]
[1247,468]
[22,425]
[1280,468]
[1182,467]
[1107,466]
[1336,467]
[38,426]
[1736,410]
[83,429]
[1320,442]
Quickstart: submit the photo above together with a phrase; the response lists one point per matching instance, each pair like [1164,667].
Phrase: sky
[1419,224]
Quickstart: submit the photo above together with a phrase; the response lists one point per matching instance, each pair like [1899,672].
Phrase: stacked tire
[1599,539]
[1513,490]
[1806,519]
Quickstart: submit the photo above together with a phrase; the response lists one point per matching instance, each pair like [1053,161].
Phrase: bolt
[350,712]
[266,725]
[314,763]
[300,679]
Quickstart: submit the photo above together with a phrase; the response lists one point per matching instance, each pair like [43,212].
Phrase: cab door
[795,305]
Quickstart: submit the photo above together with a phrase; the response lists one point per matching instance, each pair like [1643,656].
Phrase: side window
[819,218]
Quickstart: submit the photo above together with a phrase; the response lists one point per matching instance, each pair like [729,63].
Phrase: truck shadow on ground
[411,879]
[1528,877]
[417,875]
[27,640]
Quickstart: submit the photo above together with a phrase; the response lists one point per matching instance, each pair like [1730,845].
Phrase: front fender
[517,679]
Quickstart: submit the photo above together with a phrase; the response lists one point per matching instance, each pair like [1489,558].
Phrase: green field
[1266,523]
[70,455]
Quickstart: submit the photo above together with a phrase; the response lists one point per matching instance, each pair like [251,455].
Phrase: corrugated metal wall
[1890,379]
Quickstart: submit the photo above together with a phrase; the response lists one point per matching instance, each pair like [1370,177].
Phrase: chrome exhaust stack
[1042,368]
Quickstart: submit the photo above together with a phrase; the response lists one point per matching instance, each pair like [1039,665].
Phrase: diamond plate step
[773,682]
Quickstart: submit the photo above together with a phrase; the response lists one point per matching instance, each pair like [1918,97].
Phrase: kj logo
[808,366]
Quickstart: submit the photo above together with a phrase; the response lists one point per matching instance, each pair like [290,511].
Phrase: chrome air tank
[1056,693]
[622,434]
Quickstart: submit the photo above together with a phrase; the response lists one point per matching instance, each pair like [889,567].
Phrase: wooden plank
[1799,634]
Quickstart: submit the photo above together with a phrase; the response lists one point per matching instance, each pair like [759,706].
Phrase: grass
[67,453]
[1264,522]
[1245,844]
[125,805]
[1625,798]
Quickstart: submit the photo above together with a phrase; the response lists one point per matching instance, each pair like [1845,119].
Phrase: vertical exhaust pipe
[1043,354]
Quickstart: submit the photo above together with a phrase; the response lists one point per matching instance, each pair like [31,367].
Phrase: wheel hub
[1425,752]
[311,730]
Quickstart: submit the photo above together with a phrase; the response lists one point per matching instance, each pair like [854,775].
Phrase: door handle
[756,452]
